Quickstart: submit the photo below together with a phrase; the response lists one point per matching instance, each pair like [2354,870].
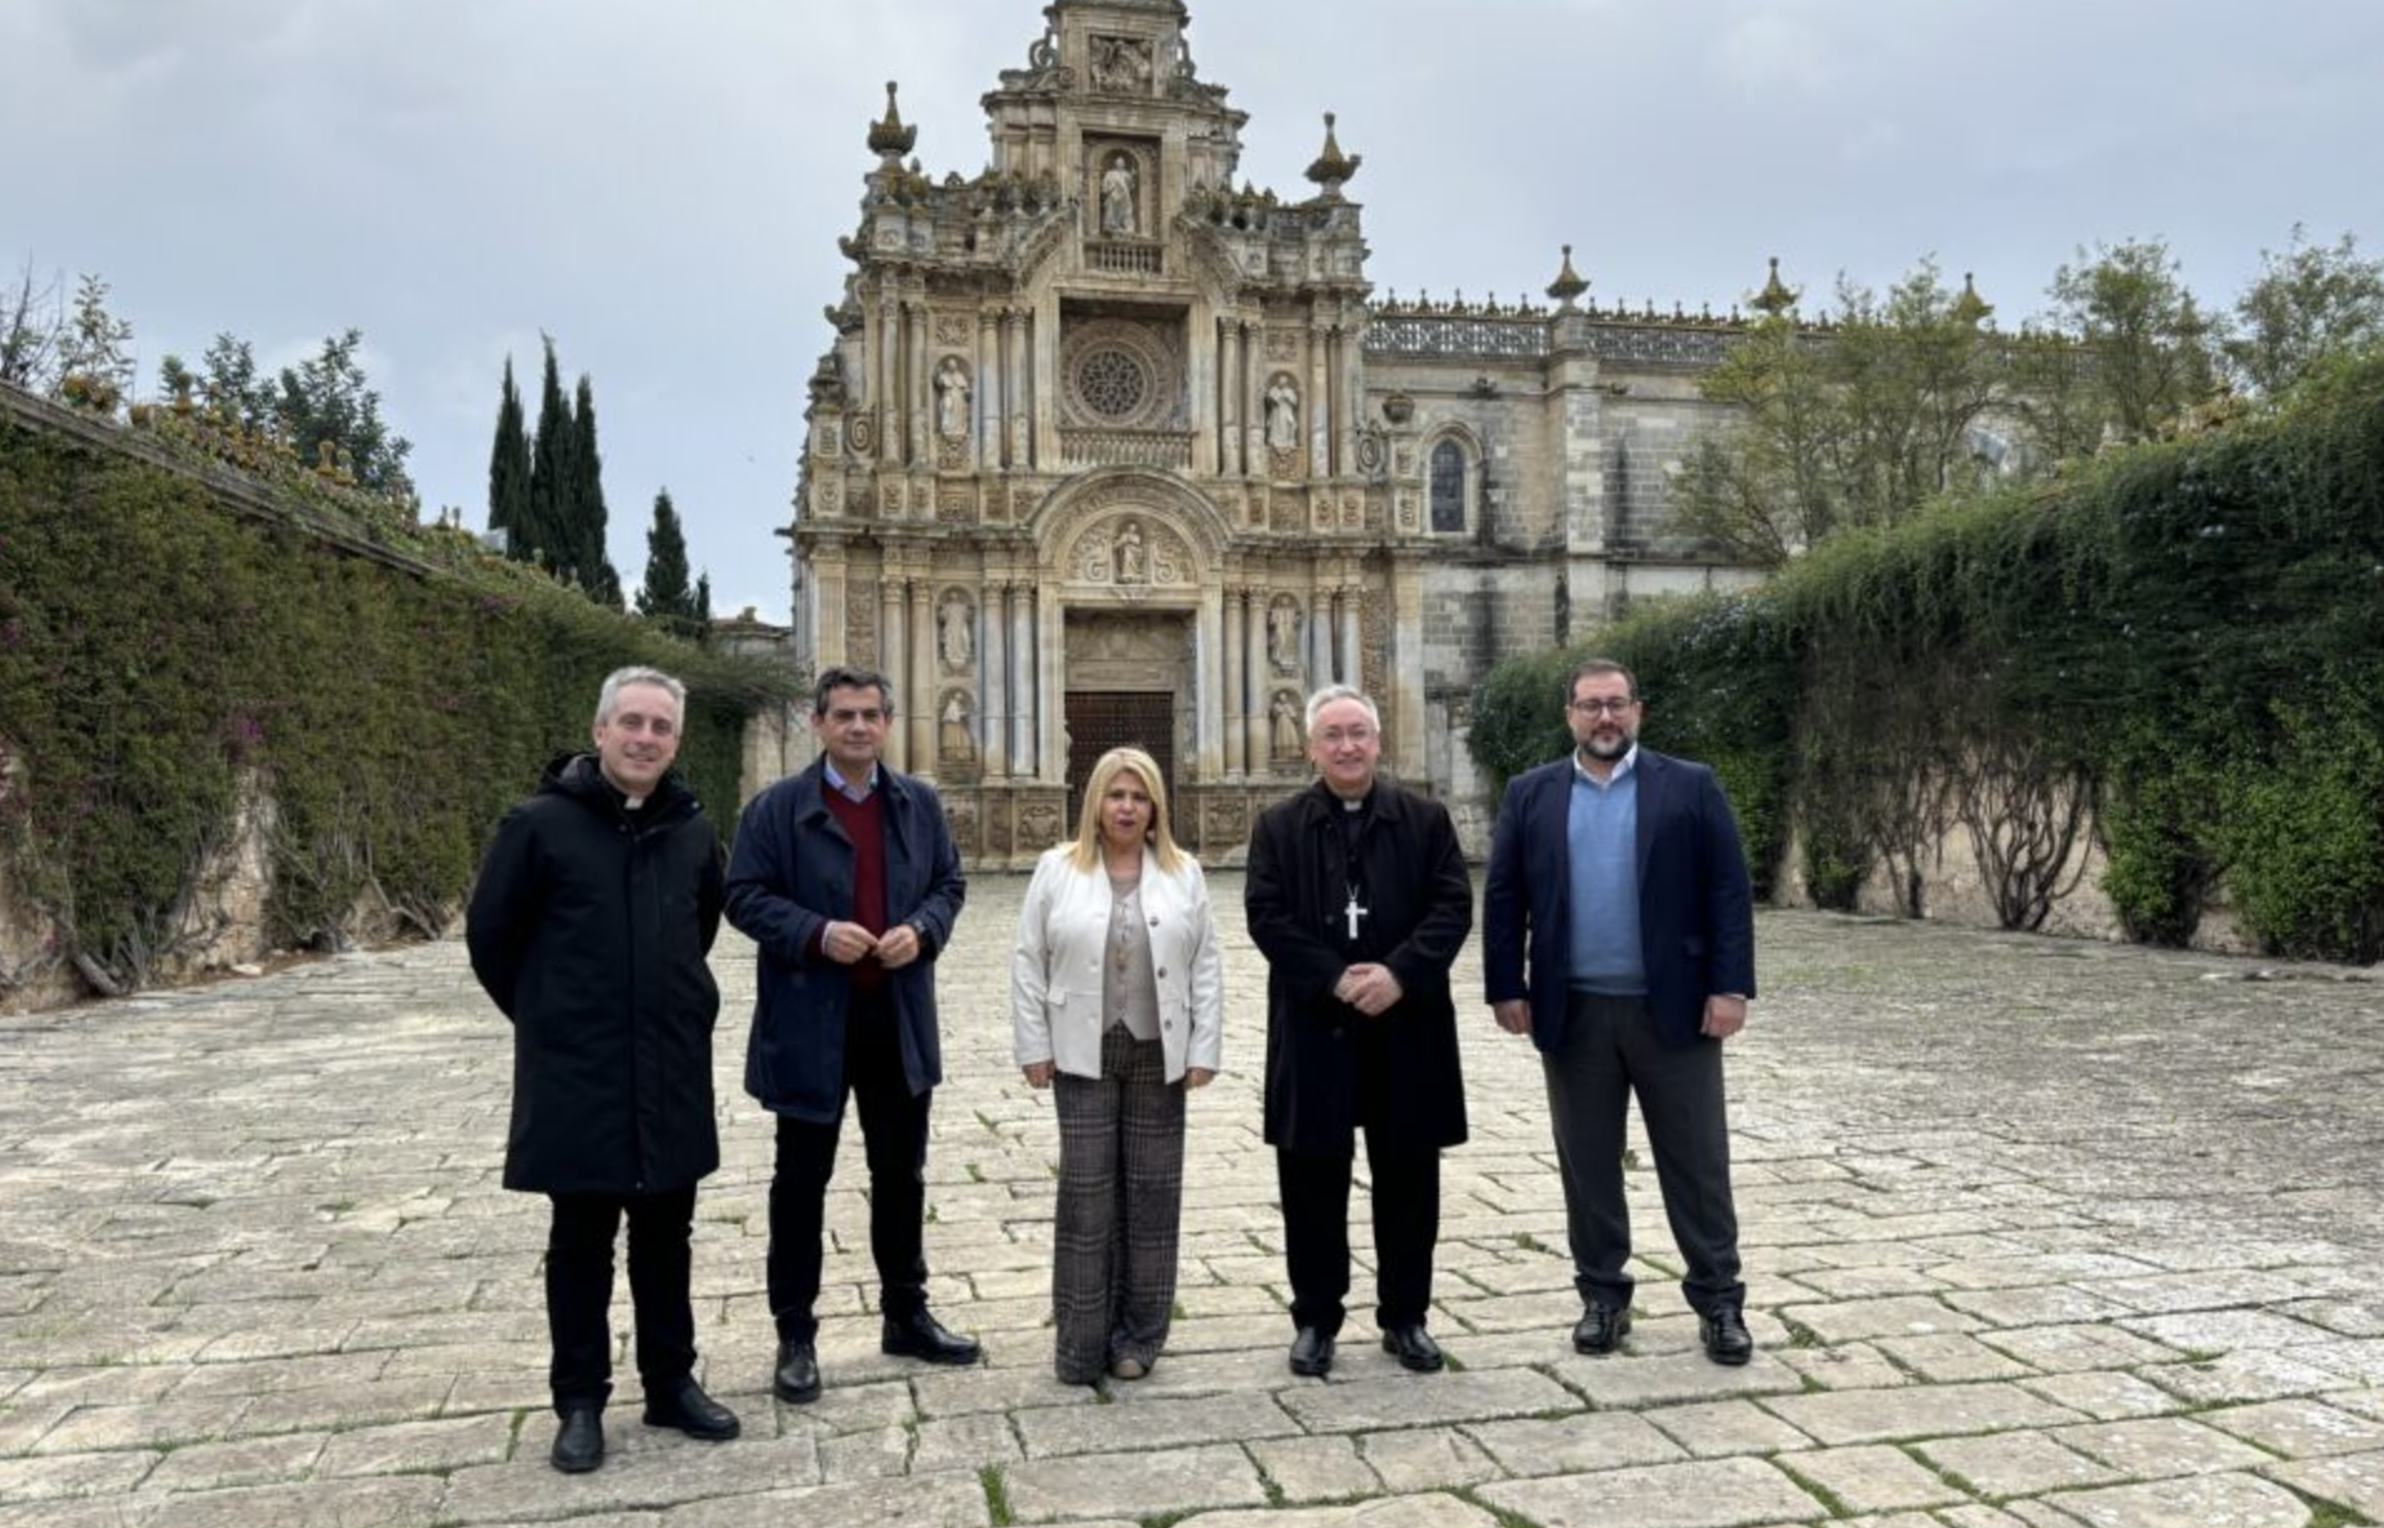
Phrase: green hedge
[157,649]
[2187,637]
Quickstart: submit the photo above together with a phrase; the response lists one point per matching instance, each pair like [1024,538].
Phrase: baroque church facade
[1113,448]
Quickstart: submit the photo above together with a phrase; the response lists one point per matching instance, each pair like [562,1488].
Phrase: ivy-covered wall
[165,650]
[2178,648]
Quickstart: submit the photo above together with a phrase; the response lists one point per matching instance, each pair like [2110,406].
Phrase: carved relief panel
[1129,552]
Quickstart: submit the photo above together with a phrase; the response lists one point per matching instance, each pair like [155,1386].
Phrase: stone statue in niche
[952,399]
[1286,713]
[1283,636]
[955,741]
[1119,215]
[958,641]
[1133,563]
[1283,415]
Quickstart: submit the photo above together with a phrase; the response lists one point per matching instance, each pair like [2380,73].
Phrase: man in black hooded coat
[595,907]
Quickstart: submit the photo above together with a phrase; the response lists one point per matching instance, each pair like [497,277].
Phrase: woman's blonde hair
[1085,853]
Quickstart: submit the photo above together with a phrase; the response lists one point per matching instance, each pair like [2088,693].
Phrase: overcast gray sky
[660,186]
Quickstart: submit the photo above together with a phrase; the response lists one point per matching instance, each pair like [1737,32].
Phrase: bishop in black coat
[1358,896]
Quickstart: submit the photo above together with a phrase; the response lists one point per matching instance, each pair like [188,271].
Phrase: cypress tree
[592,566]
[545,533]
[664,598]
[509,470]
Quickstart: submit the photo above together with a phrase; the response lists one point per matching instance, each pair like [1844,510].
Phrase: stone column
[1320,641]
[1229,373]
[1237,711]
[1353,649]
[923,450]
[1208,434]
[1257,683]
[1254,380]
[1014,386]
[989,393]
[1353,396]
[923,677]
[1209,687]
[1043,336]
[994,655]
[828,571]
[1407,671]
[886,369]
[893,662]
[1320,426]
[1051,690]
[1025,690]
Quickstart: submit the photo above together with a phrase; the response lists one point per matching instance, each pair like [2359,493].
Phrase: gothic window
[1448,488]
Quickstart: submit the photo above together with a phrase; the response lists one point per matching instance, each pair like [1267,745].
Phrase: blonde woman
[1117,995]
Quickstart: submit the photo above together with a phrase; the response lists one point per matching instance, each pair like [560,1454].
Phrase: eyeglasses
[1334,737]
[1604,705]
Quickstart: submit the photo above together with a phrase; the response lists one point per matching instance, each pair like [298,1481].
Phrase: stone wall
[1955,891]
[222,927]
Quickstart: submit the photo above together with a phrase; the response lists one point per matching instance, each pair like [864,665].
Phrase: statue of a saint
[1283,636]
[1287,726]
[952,399]
[1132,566]
[1118,214]
[958,642]
[955,743]
[1283,415]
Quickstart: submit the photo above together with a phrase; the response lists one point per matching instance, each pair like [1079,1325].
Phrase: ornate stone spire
[1970,308]
[1776,297]
[1334,169]
[888,138]
[1568,287]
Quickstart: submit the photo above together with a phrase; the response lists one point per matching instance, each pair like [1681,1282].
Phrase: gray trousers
[1611,1051]
[1121,1201]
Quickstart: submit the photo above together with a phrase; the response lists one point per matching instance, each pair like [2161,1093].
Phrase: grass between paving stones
[1828,1498]
[1952,1478]
[997,1496]
[1504,1518]
[1801,1335]
[2327,1514]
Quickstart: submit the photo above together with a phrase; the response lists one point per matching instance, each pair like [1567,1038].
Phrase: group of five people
[1618,936]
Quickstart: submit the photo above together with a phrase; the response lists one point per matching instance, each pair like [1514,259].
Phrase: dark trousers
[1315,1187]
[1121,1199]
[1611,1051]
[894,1138]
[579,1291]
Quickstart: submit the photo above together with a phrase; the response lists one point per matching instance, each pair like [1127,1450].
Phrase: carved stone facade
[1098,425]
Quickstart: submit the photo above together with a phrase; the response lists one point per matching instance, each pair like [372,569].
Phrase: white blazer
[1063,936]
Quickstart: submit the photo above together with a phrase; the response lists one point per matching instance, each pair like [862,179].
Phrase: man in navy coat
[846,877]
[1621,869]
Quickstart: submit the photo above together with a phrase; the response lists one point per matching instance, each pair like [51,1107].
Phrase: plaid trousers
[1120,1205]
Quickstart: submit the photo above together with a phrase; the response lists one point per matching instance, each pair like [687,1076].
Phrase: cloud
[1773,51]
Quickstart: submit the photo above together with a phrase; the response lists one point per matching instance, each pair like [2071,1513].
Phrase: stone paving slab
[1728,1493]
[2019,1257]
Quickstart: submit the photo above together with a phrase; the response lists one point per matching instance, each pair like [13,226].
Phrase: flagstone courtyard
[2039,1234]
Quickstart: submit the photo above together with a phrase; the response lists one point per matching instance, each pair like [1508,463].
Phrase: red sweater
[864,822]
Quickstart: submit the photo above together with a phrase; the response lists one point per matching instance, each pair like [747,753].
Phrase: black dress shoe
[1311,1353]
[686,1407]
[1601,1329]
[922,1336]
[1414,1348]
[579,1442]
[1724,1332]
[796,1379]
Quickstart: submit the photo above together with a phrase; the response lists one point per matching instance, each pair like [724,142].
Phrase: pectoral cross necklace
[1353,913]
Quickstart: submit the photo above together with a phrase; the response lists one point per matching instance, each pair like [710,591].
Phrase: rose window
[1112,384]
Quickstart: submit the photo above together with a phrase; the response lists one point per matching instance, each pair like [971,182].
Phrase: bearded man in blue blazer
[1618,932]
